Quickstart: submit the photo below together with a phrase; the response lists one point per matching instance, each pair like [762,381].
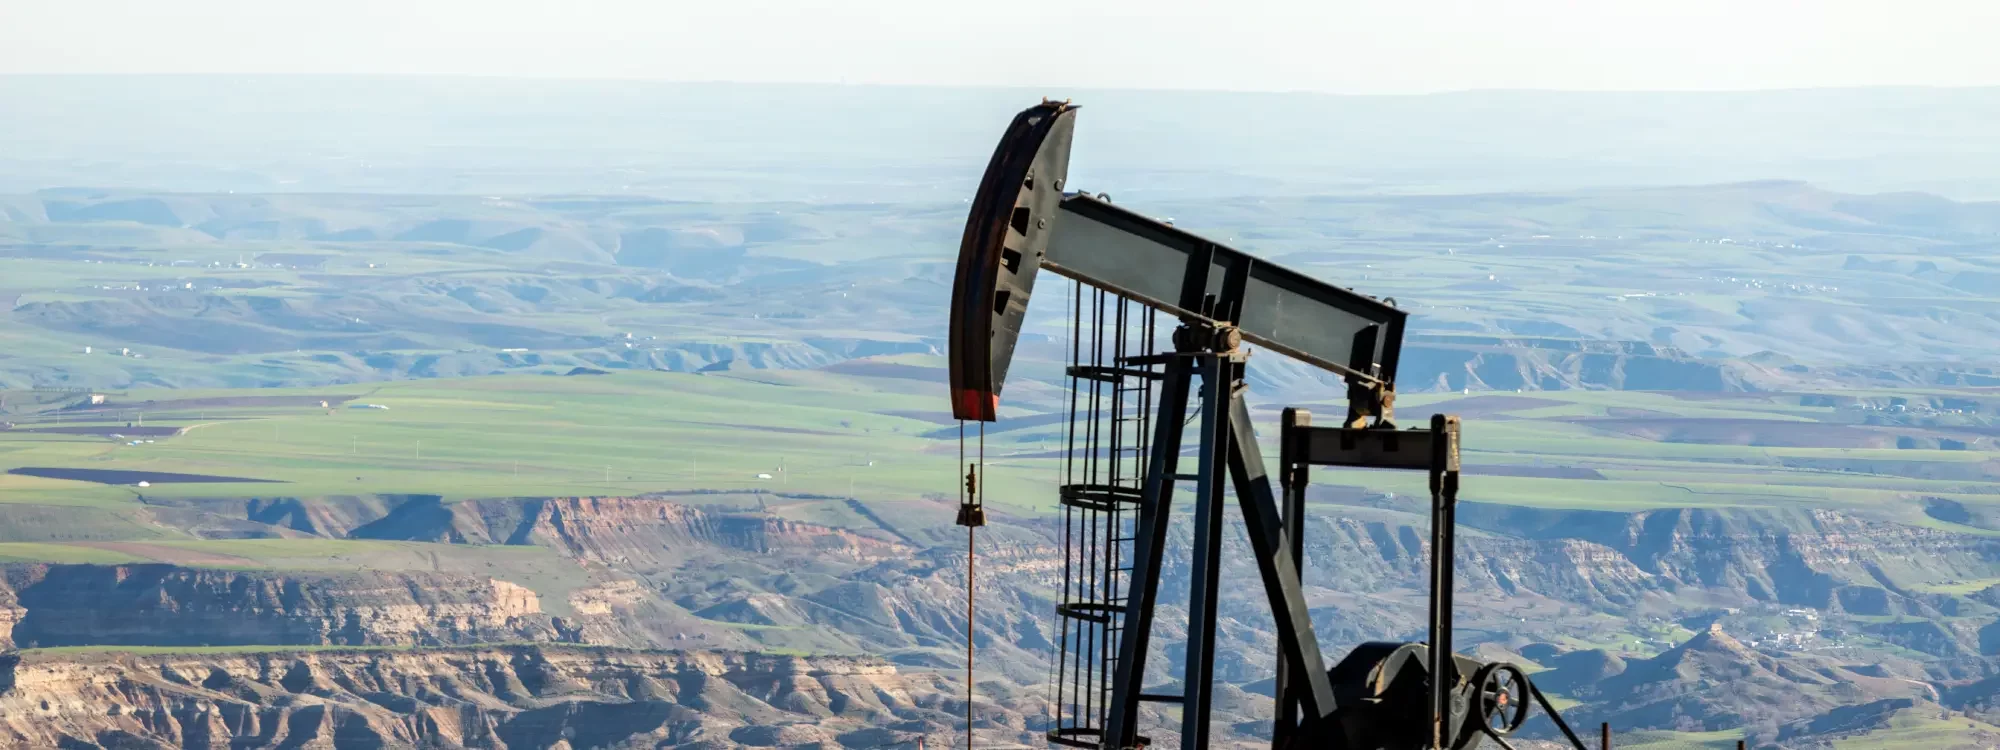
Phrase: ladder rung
[1100,497]
[1087,611]
[1109,374]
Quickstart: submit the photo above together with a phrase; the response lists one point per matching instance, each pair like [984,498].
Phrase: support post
[1268,542]
[1149,546]
[1444,501]
[1292,481]
[1219,375]
[1198,686]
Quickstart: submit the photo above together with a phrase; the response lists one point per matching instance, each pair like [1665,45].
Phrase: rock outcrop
[166,605]
[661,572]
[1713,682]
[513,698]
[643,532]
[1816,558]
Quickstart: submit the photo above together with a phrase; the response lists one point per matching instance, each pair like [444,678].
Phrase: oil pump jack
[1128,418]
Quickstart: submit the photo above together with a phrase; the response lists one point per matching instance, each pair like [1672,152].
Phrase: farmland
[863,447]
[1732,453]
[826,436]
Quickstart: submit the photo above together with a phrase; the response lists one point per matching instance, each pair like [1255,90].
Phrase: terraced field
[833,431]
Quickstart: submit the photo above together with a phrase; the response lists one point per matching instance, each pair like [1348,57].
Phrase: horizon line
[1003,87]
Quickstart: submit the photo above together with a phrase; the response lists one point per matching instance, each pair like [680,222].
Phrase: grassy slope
[818,432]
[1917,728]
[519,436]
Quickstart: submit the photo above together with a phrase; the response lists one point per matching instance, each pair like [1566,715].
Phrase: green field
[834,436]
[826,434]
[523,436]
[1913,728]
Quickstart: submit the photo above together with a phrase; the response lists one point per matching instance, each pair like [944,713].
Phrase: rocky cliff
[660,572]
[1811,557]
[517,698]
[626,531]
[165,605]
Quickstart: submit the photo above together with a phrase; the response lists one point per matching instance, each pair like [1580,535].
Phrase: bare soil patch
[1771,433]
[1540,472]
[153,431]
[1731,395]
[123,476]
[1477,406]
[1004,425]
[225,402]
[933,417]
[888,370]
[174,555]
[1628,412]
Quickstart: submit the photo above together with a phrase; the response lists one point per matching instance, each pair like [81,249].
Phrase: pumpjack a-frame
[1022,220]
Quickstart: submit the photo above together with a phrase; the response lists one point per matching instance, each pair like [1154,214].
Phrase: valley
[629,443]
[1833,537]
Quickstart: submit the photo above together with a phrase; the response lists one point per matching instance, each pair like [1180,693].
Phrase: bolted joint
[1370,404]
[1226,339]
[1219,338]
[1187,339]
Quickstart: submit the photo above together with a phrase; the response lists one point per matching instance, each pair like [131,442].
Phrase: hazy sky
[1347,46]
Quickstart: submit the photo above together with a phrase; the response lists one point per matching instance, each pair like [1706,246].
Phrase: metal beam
[1149,547]
[1292,479]
[1371,448]
[1274,560]
[1198,687]
[1110,248]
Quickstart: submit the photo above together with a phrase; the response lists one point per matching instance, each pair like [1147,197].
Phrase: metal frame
[1434,450]
[1228,449]
[1102,489]
[1223,298]
[1452,700]
[1208,343]
[1020,222]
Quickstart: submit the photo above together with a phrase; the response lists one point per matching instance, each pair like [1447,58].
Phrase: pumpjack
[1128,418]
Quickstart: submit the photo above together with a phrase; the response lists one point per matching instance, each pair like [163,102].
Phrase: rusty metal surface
[1006,233]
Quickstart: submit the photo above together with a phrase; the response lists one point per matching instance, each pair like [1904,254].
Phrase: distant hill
[1767,285]
[1714,682]
[484,136]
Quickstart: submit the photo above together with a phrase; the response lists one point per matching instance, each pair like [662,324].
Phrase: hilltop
[1740,287]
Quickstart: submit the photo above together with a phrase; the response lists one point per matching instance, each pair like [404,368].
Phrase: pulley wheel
[1501,703]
